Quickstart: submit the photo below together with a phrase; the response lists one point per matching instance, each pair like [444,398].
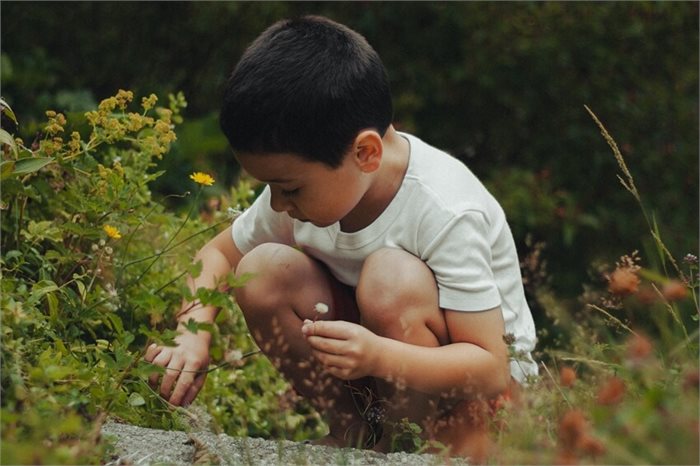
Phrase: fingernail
[153,345]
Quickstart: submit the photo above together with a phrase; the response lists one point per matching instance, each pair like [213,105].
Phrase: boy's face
[308,191]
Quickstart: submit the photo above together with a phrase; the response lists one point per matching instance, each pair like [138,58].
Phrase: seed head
[674,290]
[623,281]
[639,348]
[321,308]
[572,428]
[612,392]
[567,376]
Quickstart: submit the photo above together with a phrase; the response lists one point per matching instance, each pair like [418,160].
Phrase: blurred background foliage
[500,85]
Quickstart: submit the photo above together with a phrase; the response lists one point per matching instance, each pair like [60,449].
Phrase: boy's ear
[368,150]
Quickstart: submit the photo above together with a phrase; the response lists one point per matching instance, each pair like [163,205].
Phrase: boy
[376,258]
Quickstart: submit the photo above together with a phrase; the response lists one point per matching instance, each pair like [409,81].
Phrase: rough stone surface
[141,446]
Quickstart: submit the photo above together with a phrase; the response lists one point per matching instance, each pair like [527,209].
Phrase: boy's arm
[187,362]
[474,363]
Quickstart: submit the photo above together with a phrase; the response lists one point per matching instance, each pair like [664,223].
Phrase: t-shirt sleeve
[460,257]
[260,224]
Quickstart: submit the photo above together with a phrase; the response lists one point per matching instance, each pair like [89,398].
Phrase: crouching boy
[380,264]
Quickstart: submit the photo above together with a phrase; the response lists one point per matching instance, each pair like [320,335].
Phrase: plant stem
[182,225]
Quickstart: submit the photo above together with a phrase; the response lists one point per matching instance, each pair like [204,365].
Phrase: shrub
[619,382]
[91,274]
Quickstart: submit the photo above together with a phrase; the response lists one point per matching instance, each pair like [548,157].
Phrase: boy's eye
[289,192]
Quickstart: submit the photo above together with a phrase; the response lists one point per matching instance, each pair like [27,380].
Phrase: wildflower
[162,127]
[232,212]
[612,392]
[107,105]
[691,381]
[112,232]
[623,281]
[638,348]
[690,259]
[321,308]
[567,376]
[509,339]
[592,446]
[647,295]
[566,458]
[572,429]
[148,102]
[56,122]
[202,178]
[135,121]
[123,98]
[674,290]
[74,143]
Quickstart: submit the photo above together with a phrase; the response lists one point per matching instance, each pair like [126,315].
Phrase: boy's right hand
[185,366]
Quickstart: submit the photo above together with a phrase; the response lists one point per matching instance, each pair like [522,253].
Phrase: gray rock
[140,446]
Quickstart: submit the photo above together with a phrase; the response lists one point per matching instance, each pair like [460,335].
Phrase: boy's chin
[317,223]
[320,224]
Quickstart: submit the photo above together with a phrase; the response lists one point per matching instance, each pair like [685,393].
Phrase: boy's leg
[285,287]
[398,298]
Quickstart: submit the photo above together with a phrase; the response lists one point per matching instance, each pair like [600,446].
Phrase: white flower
[321,308]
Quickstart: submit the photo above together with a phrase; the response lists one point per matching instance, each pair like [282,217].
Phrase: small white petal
[321,308]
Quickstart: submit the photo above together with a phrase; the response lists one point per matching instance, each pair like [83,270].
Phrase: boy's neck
[384,185]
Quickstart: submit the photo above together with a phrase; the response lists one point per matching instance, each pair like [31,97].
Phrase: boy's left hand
[346,350]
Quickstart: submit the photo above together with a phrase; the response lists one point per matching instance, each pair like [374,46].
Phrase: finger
[339,372]
[338,329]
[331,360]
[152,351]
[153,379]
[327,345]
[184,382]
[172,373]
[162,359]
[194,389]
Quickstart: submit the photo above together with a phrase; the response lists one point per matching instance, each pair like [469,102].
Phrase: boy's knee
[395,288]
[270,266]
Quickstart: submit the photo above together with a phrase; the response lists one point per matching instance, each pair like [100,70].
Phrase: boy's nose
[279,203]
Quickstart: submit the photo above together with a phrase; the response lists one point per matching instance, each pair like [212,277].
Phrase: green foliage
[92,271]
[499,85]
[620,380]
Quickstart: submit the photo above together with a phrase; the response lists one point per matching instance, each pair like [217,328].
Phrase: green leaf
[195,269]
[6,169]
[8,111]
[116,323]
[30,165]
[42,230]
[81,289]
[6,138]
[41,288]
[53,307]
[135,399]
[191,326]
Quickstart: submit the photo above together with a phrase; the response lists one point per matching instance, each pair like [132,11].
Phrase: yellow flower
[112,232]
[148,102]
[202,178]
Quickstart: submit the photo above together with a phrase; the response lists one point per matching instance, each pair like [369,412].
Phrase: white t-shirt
[442,214]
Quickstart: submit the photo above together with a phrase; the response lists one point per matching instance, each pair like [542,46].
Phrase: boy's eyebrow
[276,180]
